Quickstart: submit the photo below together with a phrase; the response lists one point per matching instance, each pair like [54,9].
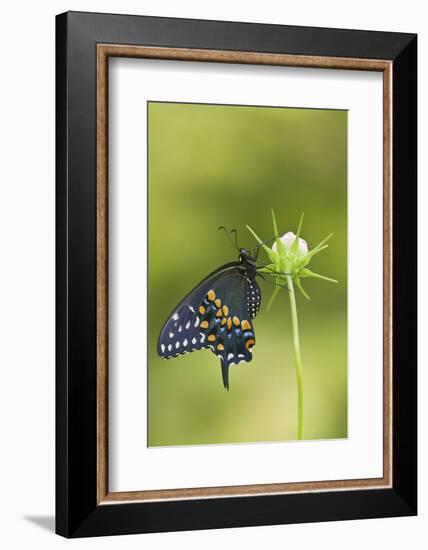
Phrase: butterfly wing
[217,314]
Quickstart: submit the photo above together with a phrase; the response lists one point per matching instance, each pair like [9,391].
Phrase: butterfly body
[217,314]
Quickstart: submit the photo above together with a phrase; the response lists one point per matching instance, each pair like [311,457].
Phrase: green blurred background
[211,165]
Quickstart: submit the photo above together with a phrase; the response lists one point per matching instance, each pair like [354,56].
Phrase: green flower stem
[297,356]
[288,263]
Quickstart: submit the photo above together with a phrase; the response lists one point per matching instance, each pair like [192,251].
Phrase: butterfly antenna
[227,234]
[236,238]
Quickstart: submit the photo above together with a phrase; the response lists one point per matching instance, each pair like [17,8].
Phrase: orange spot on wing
[217,302]
[211,338]
[229,323]
[225,310]
[211,295]
[245,325]
[249,344]
[236,321]
[204,324]
[201,310]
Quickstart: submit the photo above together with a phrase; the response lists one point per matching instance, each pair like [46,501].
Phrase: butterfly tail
[225,374]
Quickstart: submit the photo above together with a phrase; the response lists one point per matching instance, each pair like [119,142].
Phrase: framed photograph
[236,274]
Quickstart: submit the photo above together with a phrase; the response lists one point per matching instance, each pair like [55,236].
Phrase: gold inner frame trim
[104,51]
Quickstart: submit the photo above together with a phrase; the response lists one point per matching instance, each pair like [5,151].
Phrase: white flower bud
[288,239]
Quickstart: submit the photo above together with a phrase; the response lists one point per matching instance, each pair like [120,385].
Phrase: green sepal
[269,251]
[295,245]
[269,269]
[275,226]
[298,283]
[273,256]
[274,295]
[305,272]
[281,249]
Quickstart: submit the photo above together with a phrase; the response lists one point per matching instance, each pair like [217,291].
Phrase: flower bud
[288,239]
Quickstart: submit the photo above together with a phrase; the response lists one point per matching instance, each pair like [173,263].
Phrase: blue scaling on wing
[217,315]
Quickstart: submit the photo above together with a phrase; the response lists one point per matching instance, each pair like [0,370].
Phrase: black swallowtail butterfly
[217,314]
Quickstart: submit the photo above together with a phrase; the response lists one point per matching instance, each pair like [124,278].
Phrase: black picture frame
[78,513]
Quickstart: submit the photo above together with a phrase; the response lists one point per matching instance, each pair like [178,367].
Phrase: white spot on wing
[187,325]
[169,347]
[193,340]
[177,345]
[230,356]
[175,317]
[171,335]
[162,348]
[185,342]
[196,322]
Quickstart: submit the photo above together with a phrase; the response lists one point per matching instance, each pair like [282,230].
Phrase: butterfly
[217,314]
